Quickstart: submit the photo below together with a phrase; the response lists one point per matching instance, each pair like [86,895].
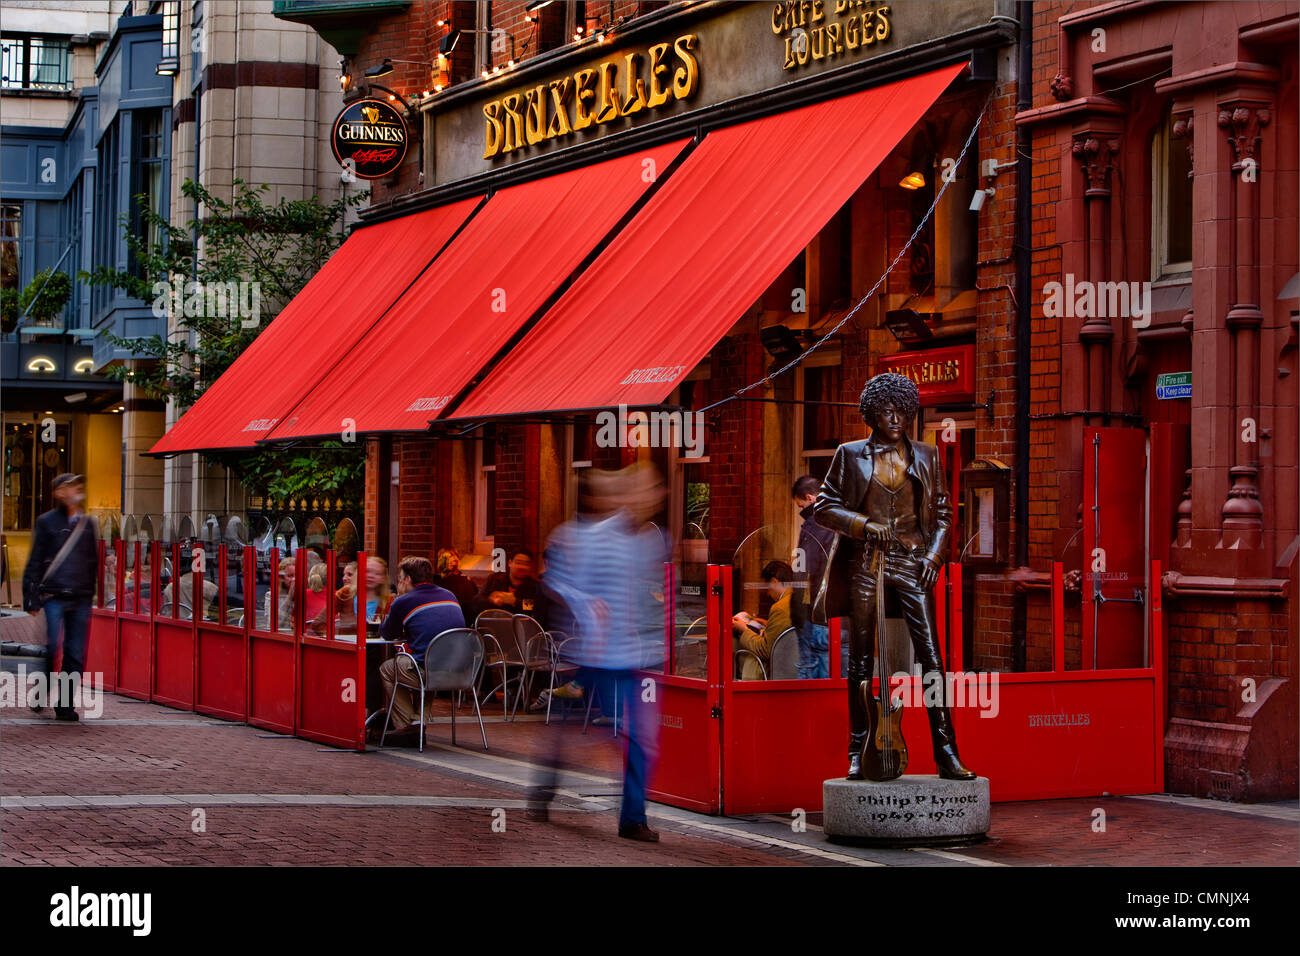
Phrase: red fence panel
[332,671]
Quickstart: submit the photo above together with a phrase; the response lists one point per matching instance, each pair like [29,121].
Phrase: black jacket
[76,576]
[843,493]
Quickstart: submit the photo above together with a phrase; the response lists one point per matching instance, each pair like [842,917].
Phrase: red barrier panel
[272,663]
[101,644]
[222,656]
[332,672]
[1034,735]
[688,773]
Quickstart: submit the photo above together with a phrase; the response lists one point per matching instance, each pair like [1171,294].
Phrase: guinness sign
[369,138]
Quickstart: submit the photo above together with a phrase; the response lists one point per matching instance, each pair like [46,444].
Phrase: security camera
[977,200]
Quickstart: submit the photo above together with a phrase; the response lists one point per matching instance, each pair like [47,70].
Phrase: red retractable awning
[340,303]
[493,278]
[700,253]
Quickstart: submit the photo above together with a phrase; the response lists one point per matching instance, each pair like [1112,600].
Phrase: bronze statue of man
[887,493]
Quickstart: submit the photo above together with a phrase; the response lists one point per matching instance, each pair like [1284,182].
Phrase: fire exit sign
[1174,385]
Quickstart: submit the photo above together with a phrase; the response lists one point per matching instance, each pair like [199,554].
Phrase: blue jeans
[638,722]
[814,651]
[67,621]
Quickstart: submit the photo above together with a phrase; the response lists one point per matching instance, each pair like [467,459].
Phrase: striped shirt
[420,615]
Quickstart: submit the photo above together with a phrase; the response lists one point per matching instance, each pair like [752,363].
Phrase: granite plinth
[914,810]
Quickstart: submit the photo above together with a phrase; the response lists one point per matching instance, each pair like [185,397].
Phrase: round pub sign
[369,138]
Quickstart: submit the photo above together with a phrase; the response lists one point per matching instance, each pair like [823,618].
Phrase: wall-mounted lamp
[41,364]
[913,180]
[977,200]
[83,366]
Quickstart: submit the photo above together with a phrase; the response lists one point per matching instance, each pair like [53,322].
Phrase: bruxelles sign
[634,83]
[369,138]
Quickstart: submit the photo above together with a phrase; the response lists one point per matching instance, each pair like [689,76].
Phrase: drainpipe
[1022,247]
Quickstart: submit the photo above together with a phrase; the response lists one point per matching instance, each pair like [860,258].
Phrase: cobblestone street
[127,788]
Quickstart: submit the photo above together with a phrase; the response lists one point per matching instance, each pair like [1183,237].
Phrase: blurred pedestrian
[603,570]
[60,578]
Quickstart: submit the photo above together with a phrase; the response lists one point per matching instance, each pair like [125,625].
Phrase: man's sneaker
[69,714]
[569,691]
[602,721]
[638,831]
[540,703]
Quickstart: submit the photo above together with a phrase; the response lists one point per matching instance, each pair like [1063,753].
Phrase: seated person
[210,595]
[454,580]
[757,635]
[315,600]
[379,596]
[514,590]
[421,612]
[284,597]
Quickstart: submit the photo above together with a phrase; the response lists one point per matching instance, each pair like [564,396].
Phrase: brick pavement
[275,800]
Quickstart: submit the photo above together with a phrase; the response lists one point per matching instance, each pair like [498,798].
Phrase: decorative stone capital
[1096,154]
[1244,124]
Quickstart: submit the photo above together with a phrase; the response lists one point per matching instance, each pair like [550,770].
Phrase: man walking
[604,569]
[61,575]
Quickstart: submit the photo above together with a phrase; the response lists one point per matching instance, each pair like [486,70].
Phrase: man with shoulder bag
[60,578]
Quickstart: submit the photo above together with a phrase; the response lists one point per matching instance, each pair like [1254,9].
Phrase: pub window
[171,30]
[1171,216]
[148,167]
[579,455]
[819,422]
[11,220]
[485,490]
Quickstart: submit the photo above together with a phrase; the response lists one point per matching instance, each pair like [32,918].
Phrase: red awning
[485,286]
[338,306]
[705,247]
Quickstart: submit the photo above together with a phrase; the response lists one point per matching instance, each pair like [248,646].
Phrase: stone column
[1244,114]
[1095,150]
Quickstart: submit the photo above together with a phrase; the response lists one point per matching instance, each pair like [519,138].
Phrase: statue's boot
[945,745]
[859,726]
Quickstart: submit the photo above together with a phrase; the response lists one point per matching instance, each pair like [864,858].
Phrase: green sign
[1174,385]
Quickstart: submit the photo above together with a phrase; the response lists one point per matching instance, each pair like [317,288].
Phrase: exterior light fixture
[41,364]
[383,69]
[448,42]
[83,365]
[913,180]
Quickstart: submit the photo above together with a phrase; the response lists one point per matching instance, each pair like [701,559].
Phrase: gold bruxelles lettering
[686,76]
[535,115]
[513,122]
[495,131]
[559,123]
[658,91]
[882,28]
[640,81]
[634,86]
[584,88]
[608,98]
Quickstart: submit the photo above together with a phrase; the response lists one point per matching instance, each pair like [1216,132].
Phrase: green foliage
[279,247]
[42,300]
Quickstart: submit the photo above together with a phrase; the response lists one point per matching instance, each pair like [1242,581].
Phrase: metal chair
[783,664]
[451,662]
[690,651]
[740,656]
[497,628]
[563,671]
[535,651]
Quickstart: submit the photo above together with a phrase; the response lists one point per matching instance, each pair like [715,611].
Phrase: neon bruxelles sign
[369,139]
